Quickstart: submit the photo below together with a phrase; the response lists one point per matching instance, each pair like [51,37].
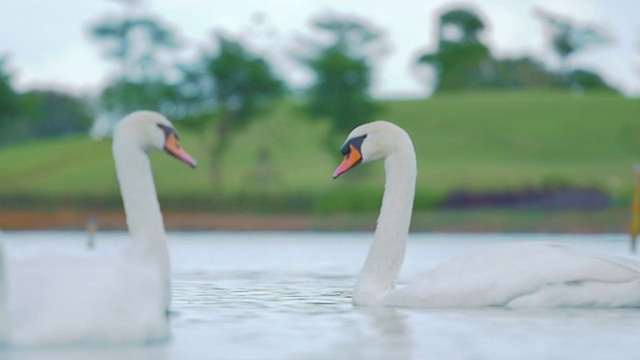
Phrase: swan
[514,275]
[93,299]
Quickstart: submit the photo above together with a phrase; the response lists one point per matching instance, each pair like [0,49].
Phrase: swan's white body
[93,299]
[512,275]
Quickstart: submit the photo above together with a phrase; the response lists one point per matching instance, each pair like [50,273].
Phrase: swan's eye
[356,142]
[168,130]
[345,149]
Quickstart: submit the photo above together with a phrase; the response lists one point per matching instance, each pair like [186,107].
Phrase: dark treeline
[38,113]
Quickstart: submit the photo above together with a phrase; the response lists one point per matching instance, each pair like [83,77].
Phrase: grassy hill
[480,141]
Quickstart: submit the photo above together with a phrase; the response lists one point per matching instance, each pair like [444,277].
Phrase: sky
[48,45]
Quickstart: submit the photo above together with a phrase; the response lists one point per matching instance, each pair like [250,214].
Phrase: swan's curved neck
[386,253]
[141,206]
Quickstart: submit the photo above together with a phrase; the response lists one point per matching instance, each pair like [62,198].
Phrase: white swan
[93,299]
[512,275]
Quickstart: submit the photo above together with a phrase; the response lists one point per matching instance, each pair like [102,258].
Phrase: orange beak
[352,159]
[172,146]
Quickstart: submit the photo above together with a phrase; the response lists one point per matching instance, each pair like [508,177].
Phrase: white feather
[53,300]
[512,275]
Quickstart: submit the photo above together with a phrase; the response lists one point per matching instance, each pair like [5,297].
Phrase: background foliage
[480,141]
[562,128]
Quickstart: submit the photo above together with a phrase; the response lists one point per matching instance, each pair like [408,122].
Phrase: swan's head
[370,142]
[150,131]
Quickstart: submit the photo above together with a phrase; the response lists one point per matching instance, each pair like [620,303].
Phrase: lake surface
[287,296]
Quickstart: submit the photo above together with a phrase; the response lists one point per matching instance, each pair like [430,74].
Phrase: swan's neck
[386,254]
[141,206]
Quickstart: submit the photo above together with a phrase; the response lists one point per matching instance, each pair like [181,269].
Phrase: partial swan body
[512,275]
[92,299]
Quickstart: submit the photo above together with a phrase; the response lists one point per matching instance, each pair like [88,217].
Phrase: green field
[483,141]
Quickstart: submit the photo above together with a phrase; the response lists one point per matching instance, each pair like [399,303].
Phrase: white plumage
[93,299]
[512,275]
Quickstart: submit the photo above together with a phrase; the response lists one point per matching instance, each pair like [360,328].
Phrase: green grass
[493,140]
[497,140]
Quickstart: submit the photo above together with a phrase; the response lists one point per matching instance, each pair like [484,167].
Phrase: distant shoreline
[611,220]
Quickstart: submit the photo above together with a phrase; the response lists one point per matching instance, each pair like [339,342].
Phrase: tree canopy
[343,73]
[227,89]
[462,61]
[143,47]
[9,100]
[136,44]
[568,38]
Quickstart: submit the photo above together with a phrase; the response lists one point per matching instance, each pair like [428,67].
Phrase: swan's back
[526,275]
[88,299]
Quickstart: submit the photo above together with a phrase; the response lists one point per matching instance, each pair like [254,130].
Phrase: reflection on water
[288,296]
[158,352]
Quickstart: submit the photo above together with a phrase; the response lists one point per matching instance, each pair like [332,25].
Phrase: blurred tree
[525,72]
[520,73]
[46,113]
[462,61]
[37,114]
[143,46]
[637,63]
[567,38]
[342,69]
[9,100]
[226,90]
[55,113]
[587,80]
[123,96]
[137,44]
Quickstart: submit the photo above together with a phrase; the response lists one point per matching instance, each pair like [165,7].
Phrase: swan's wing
[85,300]
[500,274]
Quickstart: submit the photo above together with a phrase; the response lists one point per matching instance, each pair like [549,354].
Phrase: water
[287,296]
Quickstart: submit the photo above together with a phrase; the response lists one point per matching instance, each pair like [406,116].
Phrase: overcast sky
[48,44]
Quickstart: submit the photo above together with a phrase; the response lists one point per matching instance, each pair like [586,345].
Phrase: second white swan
[511,275]
[91,299]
